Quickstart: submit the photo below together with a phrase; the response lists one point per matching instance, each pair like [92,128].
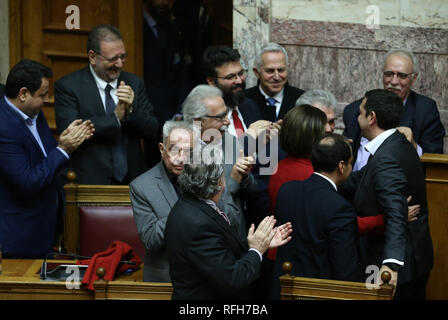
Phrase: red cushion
[99,226]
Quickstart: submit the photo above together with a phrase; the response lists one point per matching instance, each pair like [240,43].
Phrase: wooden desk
[20,281]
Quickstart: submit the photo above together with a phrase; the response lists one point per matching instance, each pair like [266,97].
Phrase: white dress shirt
[328,179]
[101,85]
[231,128]
[278,97]
[363,154]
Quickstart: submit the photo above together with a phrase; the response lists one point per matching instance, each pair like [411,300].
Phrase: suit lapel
[389,139]
[91,89]
[407,119]
[220,221]
[165,185]
[17,121]
[286,101]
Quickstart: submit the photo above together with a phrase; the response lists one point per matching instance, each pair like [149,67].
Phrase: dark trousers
[413,290]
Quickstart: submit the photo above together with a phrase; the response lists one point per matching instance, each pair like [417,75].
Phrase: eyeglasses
[219,117]
[401,75]
[113,59]
[234,76]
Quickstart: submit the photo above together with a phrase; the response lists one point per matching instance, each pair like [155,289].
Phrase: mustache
[238,85]
[393,87]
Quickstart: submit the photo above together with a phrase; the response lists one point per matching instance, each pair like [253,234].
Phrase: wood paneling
[436,170]
[38,31]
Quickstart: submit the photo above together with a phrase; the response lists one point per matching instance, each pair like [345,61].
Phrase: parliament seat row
[97,215]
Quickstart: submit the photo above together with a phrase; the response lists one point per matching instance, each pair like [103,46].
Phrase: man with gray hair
[205,107]
[323,100]
[420,118]
[273,95]
[155,192]
[208,258]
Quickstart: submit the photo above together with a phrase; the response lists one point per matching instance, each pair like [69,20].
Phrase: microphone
[43,269]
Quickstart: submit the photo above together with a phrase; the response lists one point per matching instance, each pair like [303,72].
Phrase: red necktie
[237,123]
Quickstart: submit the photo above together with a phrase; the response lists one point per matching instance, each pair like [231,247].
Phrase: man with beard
[115,102]
[420,114]
[164,65]
[222,69]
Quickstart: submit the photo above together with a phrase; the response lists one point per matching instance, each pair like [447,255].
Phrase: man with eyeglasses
[115,102]
[222,69]
[420,121]
[273,95]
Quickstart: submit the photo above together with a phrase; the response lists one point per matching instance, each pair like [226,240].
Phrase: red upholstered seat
[99,226]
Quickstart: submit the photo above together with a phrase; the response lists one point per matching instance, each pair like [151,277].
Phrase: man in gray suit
[155,192]
[205,107]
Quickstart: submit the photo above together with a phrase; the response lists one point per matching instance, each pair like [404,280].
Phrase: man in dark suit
[273,95]
[154,193]
[420,114]
[208,258]
[116,103]
[164,67]
[393,173]
[222,69]
[324,239]
[30,161]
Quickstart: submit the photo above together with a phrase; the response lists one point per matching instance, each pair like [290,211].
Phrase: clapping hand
[125,96]
[75,134]
[282,235]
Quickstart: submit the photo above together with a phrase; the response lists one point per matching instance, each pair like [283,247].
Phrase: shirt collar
[373,145]
[100,83]
[22,115]
[328,179]
[278,96]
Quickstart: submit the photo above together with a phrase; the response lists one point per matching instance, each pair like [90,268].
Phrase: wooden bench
[300,288]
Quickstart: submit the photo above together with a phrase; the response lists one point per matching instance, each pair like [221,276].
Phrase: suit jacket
[77,97]
[208,260]
[153,196]
[392,174]
[420,114]
[2,90]
[249,111]
[324,233]
[28,186]
[235,194]
[290,96]
[163,70]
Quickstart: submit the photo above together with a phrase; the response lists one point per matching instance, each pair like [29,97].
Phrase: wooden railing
[436,173]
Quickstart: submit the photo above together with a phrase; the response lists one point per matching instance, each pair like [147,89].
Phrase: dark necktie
[120,163]
[237,123]
[270,110]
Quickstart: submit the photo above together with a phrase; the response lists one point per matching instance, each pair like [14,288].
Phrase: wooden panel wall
[436,168]
[38,31]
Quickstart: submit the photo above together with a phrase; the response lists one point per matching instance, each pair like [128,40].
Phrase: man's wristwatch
[392,266]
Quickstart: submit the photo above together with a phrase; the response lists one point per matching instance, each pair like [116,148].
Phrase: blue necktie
[270,110]
[120,163]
